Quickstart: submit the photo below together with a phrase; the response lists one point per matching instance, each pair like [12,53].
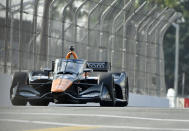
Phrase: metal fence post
[113,35]
[49,32]
[125,25]
[75,28]
[158,17]
[6,37]
[143,40]
[63,23]
[44,34]
[20,36]
[103,16]
[162,33]
[11,39]
[165,14]
[176,60]
[36,2]
[129,30]
[89,26]
[138,27]
[183,83]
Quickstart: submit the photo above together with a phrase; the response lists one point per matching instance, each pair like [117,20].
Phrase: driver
[71,53]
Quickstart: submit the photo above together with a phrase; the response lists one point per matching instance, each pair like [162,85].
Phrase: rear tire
[19,79]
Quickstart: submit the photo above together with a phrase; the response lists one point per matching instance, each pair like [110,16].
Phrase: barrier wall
[5,83]
[147,101]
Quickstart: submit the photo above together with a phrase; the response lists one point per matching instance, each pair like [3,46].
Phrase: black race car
[68,82]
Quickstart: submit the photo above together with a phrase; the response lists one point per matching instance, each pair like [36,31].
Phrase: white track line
[97,115]
[86,125]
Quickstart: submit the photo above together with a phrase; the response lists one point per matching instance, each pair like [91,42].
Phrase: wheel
[19,78]
[39,103]
[122,104]
[108,82]
[126,95]
[127,92]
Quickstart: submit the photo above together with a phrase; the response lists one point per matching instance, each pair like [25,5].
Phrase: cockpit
[69,66]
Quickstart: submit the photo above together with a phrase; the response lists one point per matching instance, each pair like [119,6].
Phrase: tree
[44,32]
[169,48]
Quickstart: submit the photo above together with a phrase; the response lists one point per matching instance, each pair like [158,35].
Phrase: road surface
[92,118]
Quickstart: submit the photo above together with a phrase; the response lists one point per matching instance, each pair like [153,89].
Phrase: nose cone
[60,85]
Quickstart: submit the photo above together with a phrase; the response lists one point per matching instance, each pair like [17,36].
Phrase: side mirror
[53,64]
[87,70]
[47,71]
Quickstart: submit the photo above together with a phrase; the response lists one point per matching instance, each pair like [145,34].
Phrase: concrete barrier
[5,84]
[148,101]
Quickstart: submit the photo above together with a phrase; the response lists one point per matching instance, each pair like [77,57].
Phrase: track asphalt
[92,118]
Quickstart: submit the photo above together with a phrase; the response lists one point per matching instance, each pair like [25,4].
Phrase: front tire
[122,104]
[19,79]
[108,82]
[127,92]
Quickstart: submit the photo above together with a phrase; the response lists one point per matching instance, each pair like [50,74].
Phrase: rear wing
[99,66]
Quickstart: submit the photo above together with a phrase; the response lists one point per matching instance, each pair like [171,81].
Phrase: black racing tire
[20,78]
[108,82]
[39,103]
[127,93]
[122,104]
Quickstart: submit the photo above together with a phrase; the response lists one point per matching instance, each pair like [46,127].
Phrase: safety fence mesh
[127,33]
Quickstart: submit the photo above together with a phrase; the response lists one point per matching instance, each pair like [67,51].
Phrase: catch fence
[127,33]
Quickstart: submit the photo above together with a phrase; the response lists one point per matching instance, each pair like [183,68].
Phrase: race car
[71,81]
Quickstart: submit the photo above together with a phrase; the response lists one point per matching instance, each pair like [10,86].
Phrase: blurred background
[148,39]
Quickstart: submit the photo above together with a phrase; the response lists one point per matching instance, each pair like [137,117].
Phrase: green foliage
[166,3]
[169,44]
